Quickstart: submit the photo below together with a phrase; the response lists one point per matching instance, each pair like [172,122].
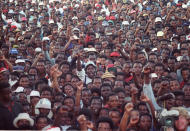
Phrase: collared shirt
[82,75]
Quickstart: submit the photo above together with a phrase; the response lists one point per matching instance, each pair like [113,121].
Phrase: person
[94,56]
[182,123]
[23,122]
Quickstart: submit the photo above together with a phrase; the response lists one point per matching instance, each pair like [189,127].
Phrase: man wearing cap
[23,122]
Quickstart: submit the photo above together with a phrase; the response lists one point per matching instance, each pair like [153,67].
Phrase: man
[95,106]
[23,122]
[9,109]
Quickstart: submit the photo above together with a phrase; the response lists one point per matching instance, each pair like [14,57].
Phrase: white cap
[20,61]
[41,3]
[125,23]
[76,5]
[90,63]
[11,12]
[23,116]
[43,103]
[75,18]
[144,3]
[45,38]
[31,9]
[184,6]
[51,21]
[34,93]
[160,33]
[158,19]
[76,29]
[65,7]
[19,89]
[38,50]
[90,49]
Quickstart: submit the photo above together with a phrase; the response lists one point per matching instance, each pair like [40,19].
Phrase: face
[97,82]
[145,122]
[34,100]
[40,66]
[41,123]
[23,122]
[143,109]
[115,116]
[86,95]
[90,71]
[137,67]
[187,92]
[44,112]
[181,124]
[105,91]
[104,126]
[134,116]
[121,96]
[185,75]
[65,68]
[96,105]
[68,90]
[24,82]
[159,70]
[46,94]
[174,85]
[179,100]
[113,101]
[70,103]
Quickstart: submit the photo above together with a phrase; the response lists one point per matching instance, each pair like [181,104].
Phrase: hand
[129,107]
[133,121]
[40,56]
[144,98]
[80,85]
[90,124]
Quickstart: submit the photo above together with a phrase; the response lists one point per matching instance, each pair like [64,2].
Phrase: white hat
[125,23]
[38,50]
[23,116]
[51,22]
[144,3]
[45,38]
[65,7]
[41,3]
[90,49]
[31,9]
[76,5]
[76,29]
[158,19]
[43,103]
[90,63]
[19,89]
[34,93]
[75,18]
[160,33]
[11,12]
[20,61]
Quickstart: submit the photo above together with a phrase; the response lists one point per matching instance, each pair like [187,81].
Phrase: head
[145,122]
[113,100]
[115,115]
[104,124]
[69,101]
[105,90]
[90,70]
[95,104]
[5,92]
[41,122]
[86,96]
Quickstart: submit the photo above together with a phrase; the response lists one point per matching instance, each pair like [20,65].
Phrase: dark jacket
[7,117]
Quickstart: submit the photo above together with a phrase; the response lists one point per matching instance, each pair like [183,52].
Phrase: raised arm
[124,119]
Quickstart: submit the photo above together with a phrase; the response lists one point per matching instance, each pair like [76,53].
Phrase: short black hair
[145,114]
[95,90]
[105,119]
[87,112]
[95,98]
[68,97]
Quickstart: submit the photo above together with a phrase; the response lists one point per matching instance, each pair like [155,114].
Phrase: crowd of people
[95,65]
